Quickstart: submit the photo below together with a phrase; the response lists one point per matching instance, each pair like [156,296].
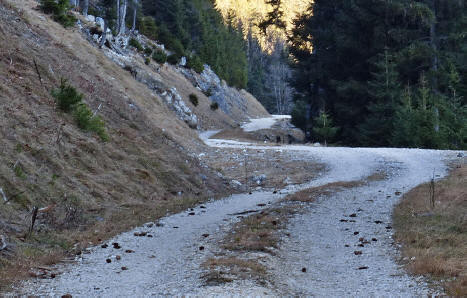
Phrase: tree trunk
[85,7]
[123,7]
[135,10]
[104,35]
[118,16]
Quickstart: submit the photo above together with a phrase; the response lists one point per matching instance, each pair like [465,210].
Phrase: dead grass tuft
[436,240]
[257,232]
[227,269]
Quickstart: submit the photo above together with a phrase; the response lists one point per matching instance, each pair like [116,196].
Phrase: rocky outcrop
[118,51]
[236,103]
[174,100]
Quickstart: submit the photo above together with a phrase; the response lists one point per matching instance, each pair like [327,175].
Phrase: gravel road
[169,262]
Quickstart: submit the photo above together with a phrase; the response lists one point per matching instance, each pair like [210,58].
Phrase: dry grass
[257,232]
[227,269]
[437,238]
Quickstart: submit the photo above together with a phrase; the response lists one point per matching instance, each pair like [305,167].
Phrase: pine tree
[324,129]
[384,90]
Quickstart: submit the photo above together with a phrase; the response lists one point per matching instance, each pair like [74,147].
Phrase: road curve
[169,263]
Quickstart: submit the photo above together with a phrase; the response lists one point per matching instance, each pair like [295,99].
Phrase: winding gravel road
[169,263]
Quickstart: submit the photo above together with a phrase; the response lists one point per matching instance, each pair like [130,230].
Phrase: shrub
[86,121]
[70,100]
[59,10]
[148,51]
[66,96]
[214,106]
[195,63]
[159,56]
[147,61]
[208,92]
[194,99]
[173,59]
[134,43]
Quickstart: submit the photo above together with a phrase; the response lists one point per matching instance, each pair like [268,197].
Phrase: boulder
[183,61]
[100,22]
[91,18]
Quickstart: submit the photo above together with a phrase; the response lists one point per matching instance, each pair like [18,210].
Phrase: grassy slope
[435,241]
[96,189]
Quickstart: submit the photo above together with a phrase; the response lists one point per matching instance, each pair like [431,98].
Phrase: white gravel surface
[169,263]
[263,123]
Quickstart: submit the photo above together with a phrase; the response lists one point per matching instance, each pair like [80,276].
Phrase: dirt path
[169,262]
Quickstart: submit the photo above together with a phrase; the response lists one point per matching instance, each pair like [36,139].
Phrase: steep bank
[89,189]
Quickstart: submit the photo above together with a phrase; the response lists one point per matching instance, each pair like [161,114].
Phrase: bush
[86,121]
[195,63]
[134,43]
[147,61]
[208,92]
[159,56]
[173,59]
[70,100]
[66,96]
[194,99]
[148,51]
[214,106]
[59,10]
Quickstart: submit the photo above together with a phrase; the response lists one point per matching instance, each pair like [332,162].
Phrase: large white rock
[183,61]
[100,22]
[91,18]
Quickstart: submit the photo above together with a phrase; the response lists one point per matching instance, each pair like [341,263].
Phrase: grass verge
[435,240]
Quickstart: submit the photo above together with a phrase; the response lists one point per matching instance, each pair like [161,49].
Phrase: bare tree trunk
[85,7]
[118,16]
[104,35]
[122,27]
[135,9]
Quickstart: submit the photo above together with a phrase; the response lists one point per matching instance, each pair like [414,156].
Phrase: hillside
[93,189]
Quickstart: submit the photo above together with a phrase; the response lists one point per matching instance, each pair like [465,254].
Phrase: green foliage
[59,10]
[194,99]
[147,61]
[214,106]
[195,63]
[323,128]
[173,59]
[364,51]
[299,117]
[19,172]
[66,96]
[135,43]
[196,26]
[86,121]
[148,51]
[159,56]
[70,100]
[147,27]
